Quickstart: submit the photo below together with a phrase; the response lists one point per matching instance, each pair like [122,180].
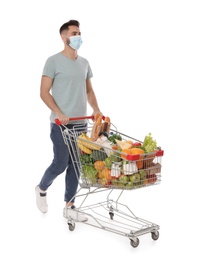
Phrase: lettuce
[89,172]
[149,144]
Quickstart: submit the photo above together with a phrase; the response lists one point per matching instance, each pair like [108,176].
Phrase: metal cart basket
[101,167]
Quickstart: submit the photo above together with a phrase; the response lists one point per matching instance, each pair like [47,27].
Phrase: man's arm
[46,84]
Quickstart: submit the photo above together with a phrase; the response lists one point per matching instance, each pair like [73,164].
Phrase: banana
[88,142]
[83,148]
[91,144]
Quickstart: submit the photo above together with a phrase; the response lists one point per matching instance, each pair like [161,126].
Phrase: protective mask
[75,42]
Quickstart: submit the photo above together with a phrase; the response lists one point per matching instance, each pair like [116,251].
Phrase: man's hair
[65,26]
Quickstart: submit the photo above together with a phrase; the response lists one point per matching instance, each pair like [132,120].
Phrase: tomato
[137,144]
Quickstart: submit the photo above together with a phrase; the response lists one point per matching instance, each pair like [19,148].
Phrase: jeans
[61,163]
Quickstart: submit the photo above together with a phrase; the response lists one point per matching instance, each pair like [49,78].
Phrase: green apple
[142,174]
[138,184]
[108,162]
[134,177]
[123,179]
[129,184]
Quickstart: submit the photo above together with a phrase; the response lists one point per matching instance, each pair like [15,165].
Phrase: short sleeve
[49,68]
[89,72]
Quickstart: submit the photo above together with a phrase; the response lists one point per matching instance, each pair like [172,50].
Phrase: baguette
[96,128]
[100,128]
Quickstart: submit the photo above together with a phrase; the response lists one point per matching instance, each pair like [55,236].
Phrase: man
[66,89]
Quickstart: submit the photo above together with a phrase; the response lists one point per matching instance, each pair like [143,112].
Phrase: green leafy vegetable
[86,159]
[112,138]
[115,158]
[89,172]
[149,144]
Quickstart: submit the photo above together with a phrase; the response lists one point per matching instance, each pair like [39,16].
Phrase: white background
[144,57]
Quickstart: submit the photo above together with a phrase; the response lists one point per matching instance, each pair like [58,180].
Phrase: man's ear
[65,39]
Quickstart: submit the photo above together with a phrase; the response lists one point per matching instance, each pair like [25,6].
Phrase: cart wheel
[71,226]
[155,235]
[135,243]
[111,215]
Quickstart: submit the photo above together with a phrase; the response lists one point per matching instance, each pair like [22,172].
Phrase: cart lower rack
[101,167]
[113,216]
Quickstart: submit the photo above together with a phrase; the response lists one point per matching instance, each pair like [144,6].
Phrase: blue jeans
[61,163]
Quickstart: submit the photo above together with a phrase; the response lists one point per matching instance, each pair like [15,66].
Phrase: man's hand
[63,118]
[96,114]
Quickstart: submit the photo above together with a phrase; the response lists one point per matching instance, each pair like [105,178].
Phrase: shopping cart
[99,167]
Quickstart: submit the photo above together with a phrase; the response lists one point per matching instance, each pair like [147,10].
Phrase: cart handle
[58,122]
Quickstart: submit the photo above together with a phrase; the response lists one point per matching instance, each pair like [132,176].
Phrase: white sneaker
[74,214]
[41,199]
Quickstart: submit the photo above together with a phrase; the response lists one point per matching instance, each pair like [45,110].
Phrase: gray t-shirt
[69,84]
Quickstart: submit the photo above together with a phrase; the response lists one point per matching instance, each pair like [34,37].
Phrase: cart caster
[155,235]
[71,226]
[135,243]
[111,214]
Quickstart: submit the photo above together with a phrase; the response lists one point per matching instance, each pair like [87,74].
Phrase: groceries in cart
[108,158]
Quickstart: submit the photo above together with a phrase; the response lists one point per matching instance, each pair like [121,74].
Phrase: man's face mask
[75,42]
